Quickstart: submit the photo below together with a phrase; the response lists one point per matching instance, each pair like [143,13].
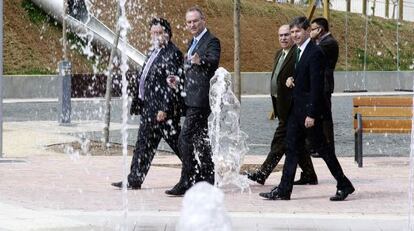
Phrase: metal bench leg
[356,145]
[359,140]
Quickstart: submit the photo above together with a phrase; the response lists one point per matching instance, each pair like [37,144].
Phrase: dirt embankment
[36,48]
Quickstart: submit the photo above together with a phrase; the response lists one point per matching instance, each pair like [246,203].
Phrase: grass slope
[32,40]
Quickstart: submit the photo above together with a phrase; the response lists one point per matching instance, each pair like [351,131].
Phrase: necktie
[145,73]
[297,56]
[190,51]
[276,73]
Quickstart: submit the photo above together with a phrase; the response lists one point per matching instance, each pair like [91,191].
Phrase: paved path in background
[44,190]
[254,121]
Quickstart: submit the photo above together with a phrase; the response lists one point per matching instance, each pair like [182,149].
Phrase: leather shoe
[179,189]
[304,180]
[315,154]
[275,194]
[342,194]
[256,176]
[129,186]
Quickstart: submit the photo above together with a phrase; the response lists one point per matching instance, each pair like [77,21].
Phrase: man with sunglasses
[321,35]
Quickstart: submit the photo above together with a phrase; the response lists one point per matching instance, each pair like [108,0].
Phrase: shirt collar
[323,37]
[303,46]
[200,35]
[286,51]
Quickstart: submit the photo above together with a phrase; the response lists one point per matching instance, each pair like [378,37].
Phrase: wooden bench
[380,115]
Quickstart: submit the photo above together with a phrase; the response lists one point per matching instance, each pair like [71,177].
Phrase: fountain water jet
[124,25]
[227,141]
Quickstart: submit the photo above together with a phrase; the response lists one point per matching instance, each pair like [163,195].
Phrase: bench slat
[384,111]
[383,101]
[385,130]
[390,126]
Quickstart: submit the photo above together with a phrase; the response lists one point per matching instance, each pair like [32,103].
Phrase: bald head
[284,37]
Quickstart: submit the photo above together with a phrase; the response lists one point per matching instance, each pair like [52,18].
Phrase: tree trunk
[387,8]
[108,92]
[374,3]
[326,9]
[237,76]
[393,9]
[348,5]
[364,7]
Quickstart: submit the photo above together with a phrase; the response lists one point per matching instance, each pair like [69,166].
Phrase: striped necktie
[193,45]
[297,56]
[276,73]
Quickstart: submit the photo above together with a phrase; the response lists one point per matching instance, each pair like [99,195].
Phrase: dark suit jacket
[158,96]
[330,48]
[308,92]
[197,77]
[284,94]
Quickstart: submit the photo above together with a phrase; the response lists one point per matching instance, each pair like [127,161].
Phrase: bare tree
[374,3]
[394,6]
[108,92]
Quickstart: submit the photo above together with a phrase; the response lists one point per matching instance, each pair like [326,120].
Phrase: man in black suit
[201,61]
[322,37]
[305,117]
[156,102]
[284,64]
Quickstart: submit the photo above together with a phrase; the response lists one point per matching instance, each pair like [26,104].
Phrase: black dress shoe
[129,186]
[275,194]
[315,155]
[257,176]
[179,189]
[304,180]
[342,194]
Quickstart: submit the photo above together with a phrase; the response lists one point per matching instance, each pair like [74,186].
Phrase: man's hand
[161,116]
[172,81]
[309,122]
[195,59]
[290,82]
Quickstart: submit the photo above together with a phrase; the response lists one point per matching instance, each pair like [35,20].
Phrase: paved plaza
[44,190]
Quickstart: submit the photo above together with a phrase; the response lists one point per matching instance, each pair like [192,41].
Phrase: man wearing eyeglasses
[304,120]
[284,64]
[321,35]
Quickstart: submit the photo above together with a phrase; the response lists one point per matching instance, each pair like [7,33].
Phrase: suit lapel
[156,59]
[306,52]
[287,58]
[277,57]
[202,40]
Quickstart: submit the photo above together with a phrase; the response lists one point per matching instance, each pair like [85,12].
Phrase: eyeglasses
[312,29]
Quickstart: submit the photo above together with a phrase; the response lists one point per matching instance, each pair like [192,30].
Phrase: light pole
[1,78]
[65,78]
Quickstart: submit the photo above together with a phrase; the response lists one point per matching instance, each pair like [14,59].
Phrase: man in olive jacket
[284,67]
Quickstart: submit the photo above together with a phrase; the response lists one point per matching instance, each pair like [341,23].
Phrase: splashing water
[203,210]
[227,141]
[124,25]
[70,151]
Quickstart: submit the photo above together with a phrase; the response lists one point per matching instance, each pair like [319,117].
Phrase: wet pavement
[55,192]
[44,190]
